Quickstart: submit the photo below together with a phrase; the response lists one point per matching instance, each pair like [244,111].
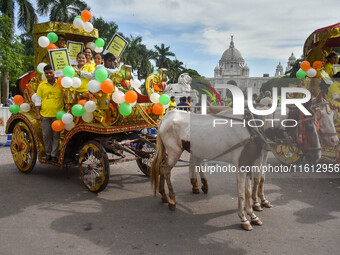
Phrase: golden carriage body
[90,146]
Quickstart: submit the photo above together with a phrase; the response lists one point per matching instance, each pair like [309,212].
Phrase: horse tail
[160,156]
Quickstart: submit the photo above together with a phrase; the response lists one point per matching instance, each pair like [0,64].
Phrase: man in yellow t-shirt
[173,104]
[49,101]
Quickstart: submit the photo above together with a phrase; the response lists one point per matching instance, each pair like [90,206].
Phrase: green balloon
[78,17]
[300,74]
[14,108]
[68,71]
[53,37]
[38,70]
[78,110]
[125,109]
[164,99]
[155,72]
[99,43]
[101,74]
[60,114]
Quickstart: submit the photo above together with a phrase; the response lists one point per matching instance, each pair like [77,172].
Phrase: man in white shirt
[266,101]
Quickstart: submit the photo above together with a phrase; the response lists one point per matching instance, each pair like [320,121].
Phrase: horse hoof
[246,226]
[205,190]
[195,191]
[266,204]
[257,221]
[257,207]
[172,207]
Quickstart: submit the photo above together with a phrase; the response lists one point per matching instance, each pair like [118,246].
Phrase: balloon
[82,102]
[300,74]
[67,118]
[125,109]
[43,41]
[58,125]
[107,86]
[14,108]
[53,37]
[88,27]
[166,106]
[60,115]
[68,127]
[87,116]
[98,49]
[66,82]
[99,43]
[34,96]
[311,72]
[90,106]
[85,15]
[317,65]
[130,97]
[40,67]
[118,97]
[51,46]
[43,77]
[78,110]
[18,99]
[25,107]
[154,98]
[101,74]
[90,45]
[157,109]
[164,99]
[78,17]
[68,71]
[76,82]
[136,84]
[93,86]
[305,65]
[59,81]
[78,23]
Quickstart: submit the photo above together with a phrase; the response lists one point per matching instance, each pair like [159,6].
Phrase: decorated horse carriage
[101,138]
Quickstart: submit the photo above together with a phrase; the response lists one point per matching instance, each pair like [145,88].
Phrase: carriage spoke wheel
[23,147]
[94,166]
[144,163]
[287,154]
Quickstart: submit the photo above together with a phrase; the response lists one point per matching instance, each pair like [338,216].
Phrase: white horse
[235,144]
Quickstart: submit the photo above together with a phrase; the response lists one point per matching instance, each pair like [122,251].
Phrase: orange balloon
[130,97]
[305,65]
[317,65]
[57,125]
[51,46]
[59,81]
[157,109]
[82,102]
[107,86]
[85,15]
[18,99]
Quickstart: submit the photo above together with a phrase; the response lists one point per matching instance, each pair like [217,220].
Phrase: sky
[266,32]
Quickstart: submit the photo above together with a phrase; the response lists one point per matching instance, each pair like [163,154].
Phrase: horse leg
[256,204]
[241,179]
[249,209]
[172,199]
[193,176]
[204,182]
[260,193]
[164,197]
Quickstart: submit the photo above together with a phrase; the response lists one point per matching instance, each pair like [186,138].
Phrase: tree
[162,54]
[106,29]
[144,65]
[61,10]
[175,69]
[132,52]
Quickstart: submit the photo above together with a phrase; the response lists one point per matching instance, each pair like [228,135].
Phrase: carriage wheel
[94,166]
[144,164]
[23,147]
[287,154]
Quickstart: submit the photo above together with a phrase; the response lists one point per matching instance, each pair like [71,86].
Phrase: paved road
[46,213]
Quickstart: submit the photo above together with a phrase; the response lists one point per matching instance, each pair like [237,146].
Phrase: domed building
[279,70]
[290,63]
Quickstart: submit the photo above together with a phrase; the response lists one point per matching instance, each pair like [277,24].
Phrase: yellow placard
[117,45]
[336,68]
[73,49]
[59,59]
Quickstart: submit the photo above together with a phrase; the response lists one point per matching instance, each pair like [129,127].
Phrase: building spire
[232,42]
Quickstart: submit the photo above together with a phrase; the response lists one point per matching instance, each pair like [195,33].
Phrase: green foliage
[106,29]
[175,69]
[279,83]
[161,56]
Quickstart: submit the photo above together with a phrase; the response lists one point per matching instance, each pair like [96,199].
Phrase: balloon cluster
[19,105]
[48,41]
[96,46]
[161,102]
[67,80]
[82,21]
[307,70]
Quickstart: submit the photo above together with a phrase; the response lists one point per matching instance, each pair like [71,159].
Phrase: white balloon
[76,82]
[133,104]
[87,116]
[69,126]
[91,45]
[154,98]
[118,97]
[34,96]
[90,106]
[67,118]
[43,41]
[88,27]
[98,50]
[93,86]
[78,23]
[136,84]
[43,77]
[311,72]
[66,82]
[166,106]
[25,107]
[41,66]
